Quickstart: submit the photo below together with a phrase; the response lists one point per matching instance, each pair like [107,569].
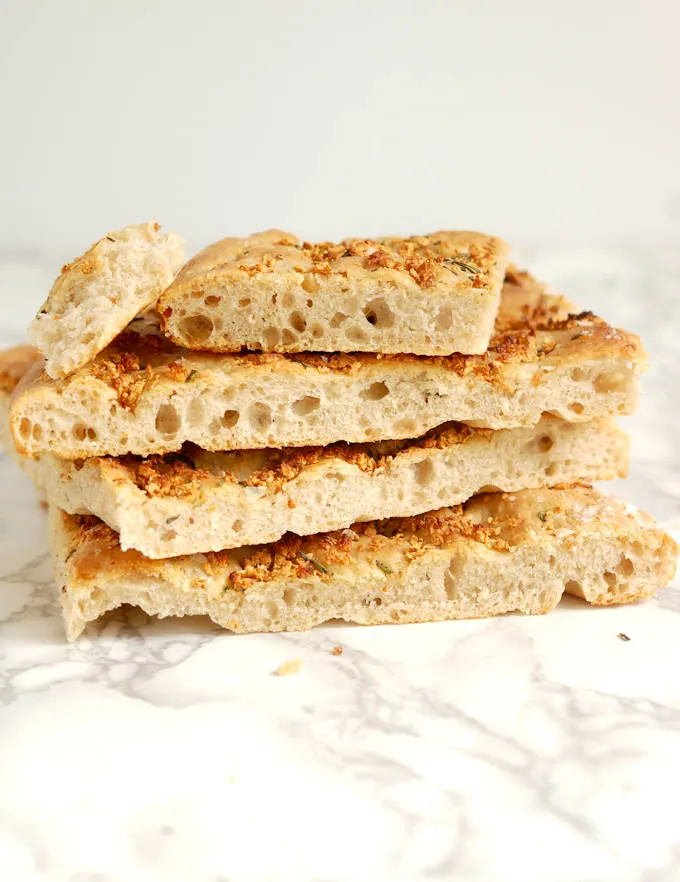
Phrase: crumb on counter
[623,637]
[337,650]
[292,666]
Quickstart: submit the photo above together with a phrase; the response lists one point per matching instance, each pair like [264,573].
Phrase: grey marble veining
[511,750]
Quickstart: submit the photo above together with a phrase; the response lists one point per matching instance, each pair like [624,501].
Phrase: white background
[540,121]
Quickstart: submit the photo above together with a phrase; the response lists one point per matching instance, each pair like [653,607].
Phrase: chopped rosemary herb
[623,637]
[543,516]
[172,519]
[69,555]
[461,264]
[383,566]
[576,336]
[109,239]
[192,374]
[315,563]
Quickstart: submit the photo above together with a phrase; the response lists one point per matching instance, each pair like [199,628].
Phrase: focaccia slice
[97,296]
[429,295]
[496,554]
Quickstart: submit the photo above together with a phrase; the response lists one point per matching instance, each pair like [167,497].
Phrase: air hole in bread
[423,472]
[87,338]
[287,337]
[113,410]
[545,442]
[37,432]
[272,337]
[378,313]
[310,284]
[356,335]
[451,580]
[573,587]
[289,595]
[610,381]
[196,328]
[244,301]
[296,320]
[25,427]
[237,526]
[578,374]
[259,416]
[637,548]
[444,318]
[91,434]
[317,331]
[79,432]
[212,300]
[610,579]
[576,407]
[230,418]
[375,391]
[310,303]
[406,425]
[625,567]
[167,420]
[288,299]
[550,470]
[305,406]
[168,535]
[338,319]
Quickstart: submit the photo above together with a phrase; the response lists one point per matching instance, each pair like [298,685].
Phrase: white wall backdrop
[537,120]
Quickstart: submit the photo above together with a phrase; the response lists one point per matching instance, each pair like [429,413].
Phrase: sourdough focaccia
[429,295]
[97,295]
[496,554]
[143,395]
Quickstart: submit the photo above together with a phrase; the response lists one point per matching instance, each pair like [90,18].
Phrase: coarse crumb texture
[496,554]
[95,297]
[429,295]
[143,395]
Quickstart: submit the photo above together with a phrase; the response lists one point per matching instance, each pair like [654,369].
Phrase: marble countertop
[509,750]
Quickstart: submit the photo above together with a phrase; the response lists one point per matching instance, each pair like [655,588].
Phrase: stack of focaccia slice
[281,434]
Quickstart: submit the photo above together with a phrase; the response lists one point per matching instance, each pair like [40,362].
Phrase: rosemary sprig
[172,519]
[109,239]
[192,374]
[69,555]
[315,563]
[462,264]
[383,566]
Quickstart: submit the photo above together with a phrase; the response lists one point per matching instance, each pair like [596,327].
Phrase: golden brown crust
[462,261]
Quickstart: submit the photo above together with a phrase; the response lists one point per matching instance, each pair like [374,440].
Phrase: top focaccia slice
[143,395]
[97,296]
[427,295]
